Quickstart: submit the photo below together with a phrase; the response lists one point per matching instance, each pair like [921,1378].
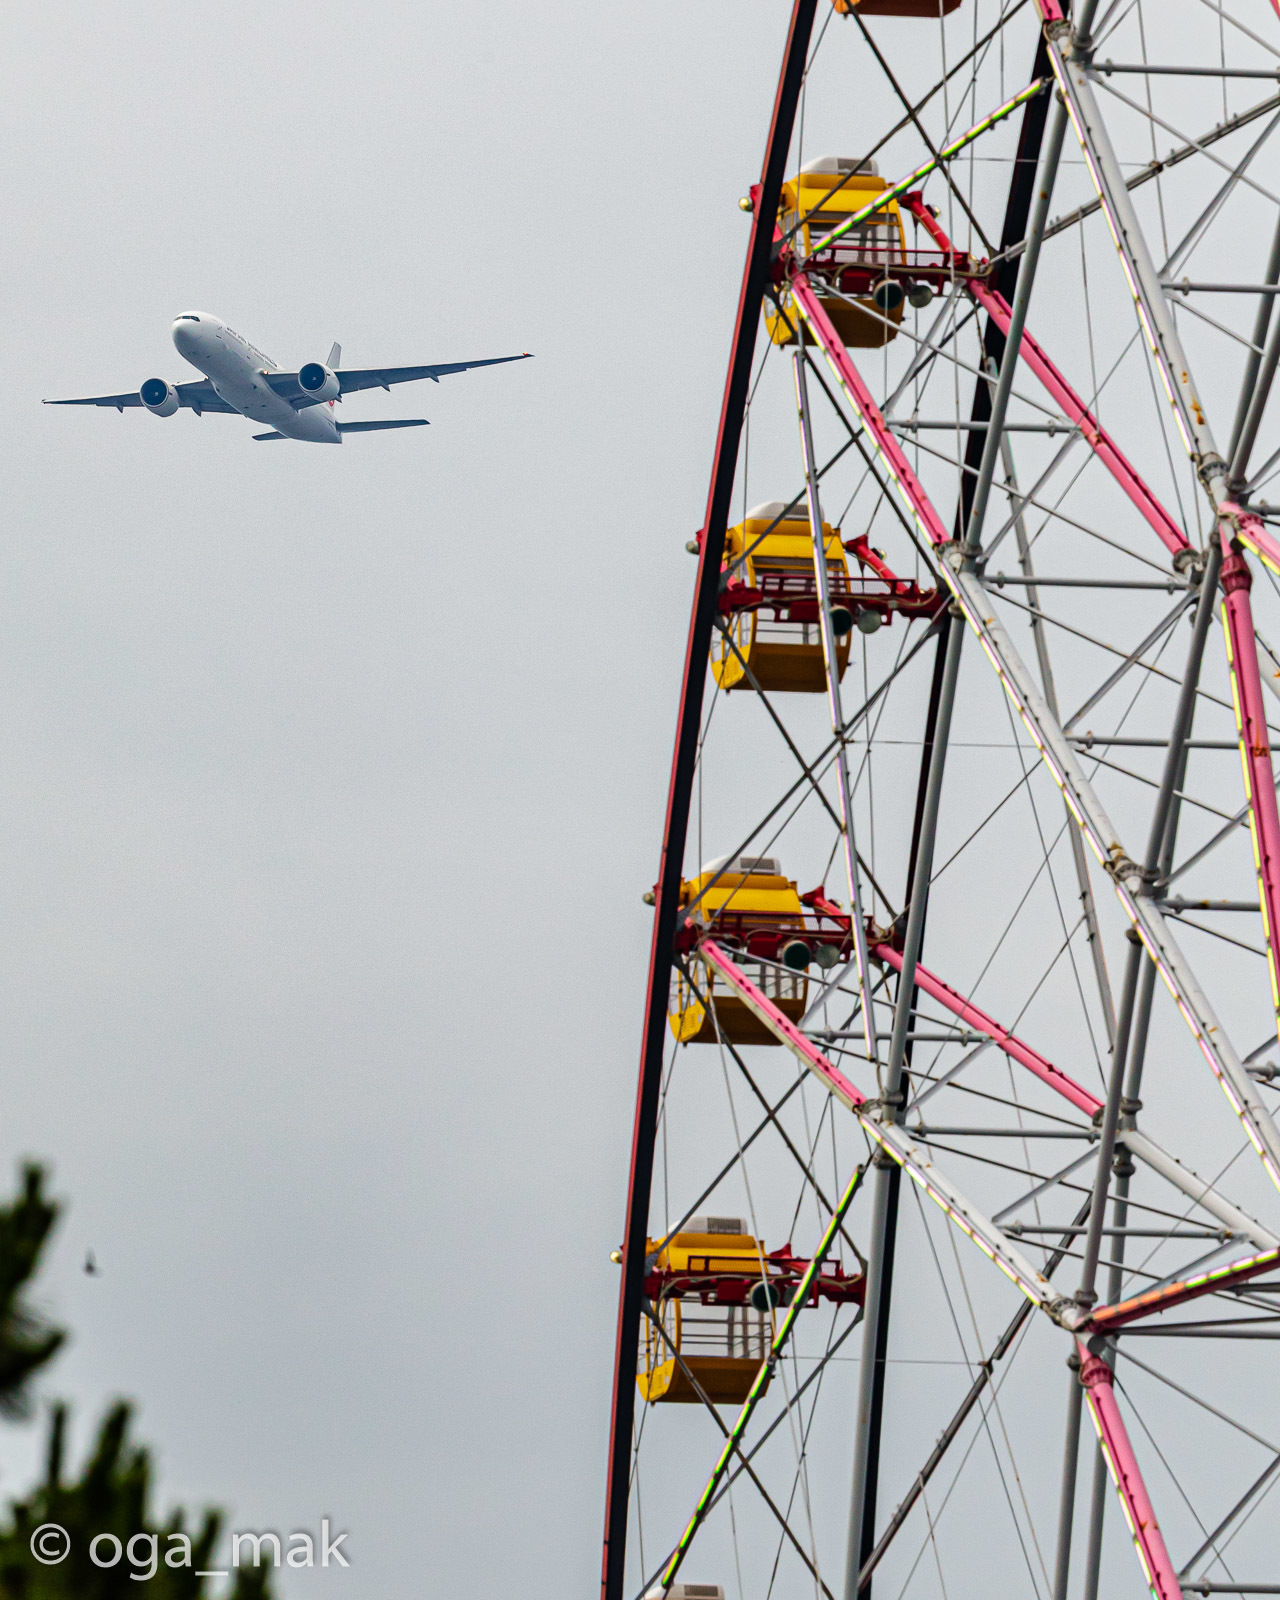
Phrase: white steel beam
[1135,894]
[1195,1188]
[1148,293]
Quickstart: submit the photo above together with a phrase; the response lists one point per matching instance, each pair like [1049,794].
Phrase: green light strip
[945,154]
[761,1379]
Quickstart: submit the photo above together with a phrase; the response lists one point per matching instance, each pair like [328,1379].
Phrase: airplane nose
[184,329]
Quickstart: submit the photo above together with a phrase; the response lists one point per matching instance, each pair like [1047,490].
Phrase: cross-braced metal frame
[1011,811]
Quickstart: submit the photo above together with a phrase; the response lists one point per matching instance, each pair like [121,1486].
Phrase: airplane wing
[286,384]
[198,397]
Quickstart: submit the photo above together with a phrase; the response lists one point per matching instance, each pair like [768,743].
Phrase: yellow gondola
[778,643]
[820,196]
[721,1346]
[749,903]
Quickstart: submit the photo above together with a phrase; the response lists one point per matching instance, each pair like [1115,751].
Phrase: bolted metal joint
[1095,1372]
[1122,867]
[1064,1311]
[953,553]
[1235,571]
[1209,466]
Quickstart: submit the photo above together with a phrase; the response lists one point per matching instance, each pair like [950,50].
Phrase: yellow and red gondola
[714,1289]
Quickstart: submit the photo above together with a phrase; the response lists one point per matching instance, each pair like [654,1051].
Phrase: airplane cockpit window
[186,317]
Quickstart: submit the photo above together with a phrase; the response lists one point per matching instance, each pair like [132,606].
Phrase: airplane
[240,380]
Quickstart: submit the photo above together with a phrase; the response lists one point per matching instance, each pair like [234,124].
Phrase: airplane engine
[159,397]
[319,382]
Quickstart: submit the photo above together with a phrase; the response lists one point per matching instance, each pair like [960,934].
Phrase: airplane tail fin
[335,356]
[373,427]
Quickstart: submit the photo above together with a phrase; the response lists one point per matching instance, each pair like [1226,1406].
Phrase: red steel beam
[1104,1318]
[1113,1436]
[1092,431]
[895,1140]
[667,890]
[721,1286]
[1251,729]
[1016,1049]
[1101,1320]
[782,1027]
[909,486]
[1253,533]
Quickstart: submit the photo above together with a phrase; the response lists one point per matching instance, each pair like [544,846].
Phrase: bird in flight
[240,380]
[90,1264]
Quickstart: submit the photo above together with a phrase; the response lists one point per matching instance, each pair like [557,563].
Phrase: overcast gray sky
[331,779]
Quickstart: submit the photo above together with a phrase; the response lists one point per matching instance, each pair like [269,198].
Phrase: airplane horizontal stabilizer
[268,436]
[372,427]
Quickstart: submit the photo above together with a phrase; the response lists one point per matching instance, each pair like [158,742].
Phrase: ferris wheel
[952,1254]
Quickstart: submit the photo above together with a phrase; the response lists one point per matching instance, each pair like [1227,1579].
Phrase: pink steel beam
[1242,655]
[1255,535]
[1147,1150]
[914,1160]
[1251,727]
[1092,431]
[1113,1436]
[1203,1194]
[908,485]
[1104,1318]
[918,1166]
[782,1027]
[1094,434]
[1012,1046]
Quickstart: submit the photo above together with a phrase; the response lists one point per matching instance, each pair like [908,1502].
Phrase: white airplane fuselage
[237,371]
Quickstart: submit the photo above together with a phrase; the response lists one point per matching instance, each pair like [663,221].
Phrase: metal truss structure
[1023,945]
